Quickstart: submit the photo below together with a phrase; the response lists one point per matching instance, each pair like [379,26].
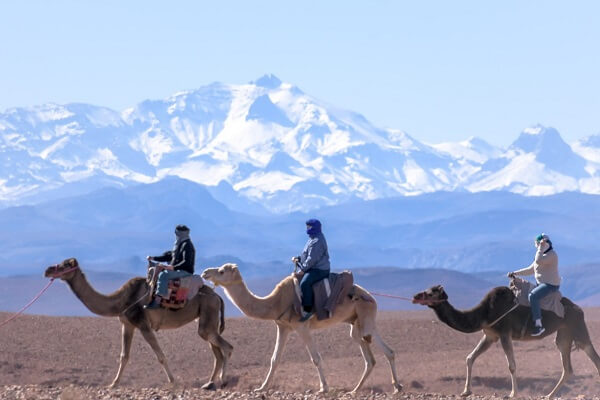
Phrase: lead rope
[28,304]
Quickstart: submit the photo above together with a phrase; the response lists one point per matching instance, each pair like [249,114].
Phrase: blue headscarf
[313,227]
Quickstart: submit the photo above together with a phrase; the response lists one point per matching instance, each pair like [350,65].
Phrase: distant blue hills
[470,232]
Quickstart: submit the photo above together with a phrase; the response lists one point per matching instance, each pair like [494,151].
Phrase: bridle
[61,273]
[428,302]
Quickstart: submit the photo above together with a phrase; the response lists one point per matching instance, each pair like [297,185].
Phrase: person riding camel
[314,265]
[545,270]
[181,263]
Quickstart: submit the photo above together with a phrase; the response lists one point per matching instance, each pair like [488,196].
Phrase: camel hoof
[397,388]
[112,386]
[209,386]
[260,389]
[466,393]
[324,390]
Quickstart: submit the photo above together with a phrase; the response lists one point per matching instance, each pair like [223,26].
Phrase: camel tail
[222,320]
[581,335]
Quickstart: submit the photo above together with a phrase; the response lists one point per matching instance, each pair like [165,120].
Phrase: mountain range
[268,147]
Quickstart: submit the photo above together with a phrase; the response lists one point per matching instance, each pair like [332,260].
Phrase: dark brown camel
[488,316]
[127,304]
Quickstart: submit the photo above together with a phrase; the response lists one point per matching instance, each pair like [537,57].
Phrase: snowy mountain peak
[473,149]
[268,81]
[538,139]
[268,142]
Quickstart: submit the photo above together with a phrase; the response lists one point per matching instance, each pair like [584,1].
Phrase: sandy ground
[76,358]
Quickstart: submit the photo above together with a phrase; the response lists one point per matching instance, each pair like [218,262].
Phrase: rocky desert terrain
[68,358]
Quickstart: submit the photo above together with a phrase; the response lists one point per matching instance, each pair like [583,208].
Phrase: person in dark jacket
[181,263]
[314,265]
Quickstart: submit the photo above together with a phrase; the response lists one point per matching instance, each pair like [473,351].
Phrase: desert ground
[45,357]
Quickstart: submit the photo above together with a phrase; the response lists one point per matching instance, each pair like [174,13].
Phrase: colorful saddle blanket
[551,302]
[180,289]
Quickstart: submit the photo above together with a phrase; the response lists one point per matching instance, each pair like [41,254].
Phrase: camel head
[65,270]
[431,297]
[225,275]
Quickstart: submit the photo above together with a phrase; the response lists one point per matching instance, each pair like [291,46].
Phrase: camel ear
[72,262]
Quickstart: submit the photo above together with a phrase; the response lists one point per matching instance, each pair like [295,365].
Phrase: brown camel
[358,309]
[491,316]
[126,303]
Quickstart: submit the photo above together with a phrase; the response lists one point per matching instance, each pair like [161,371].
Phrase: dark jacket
[182,259]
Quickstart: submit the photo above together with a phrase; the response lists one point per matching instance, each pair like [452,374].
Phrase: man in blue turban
[313,263]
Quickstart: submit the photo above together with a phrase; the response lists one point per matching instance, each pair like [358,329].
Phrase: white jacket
[544,267]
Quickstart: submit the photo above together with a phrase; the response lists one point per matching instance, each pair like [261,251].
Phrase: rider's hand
[511,275]
[149,258]
[295,259]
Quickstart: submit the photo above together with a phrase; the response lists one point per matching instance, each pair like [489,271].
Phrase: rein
[431,302]
[26,306]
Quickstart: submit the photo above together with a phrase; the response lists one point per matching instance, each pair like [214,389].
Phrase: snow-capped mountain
[267,142]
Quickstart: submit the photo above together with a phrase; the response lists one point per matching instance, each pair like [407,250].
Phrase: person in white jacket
[545,270]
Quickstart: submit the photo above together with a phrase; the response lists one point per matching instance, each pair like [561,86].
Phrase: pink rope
[391,296]
[28,304]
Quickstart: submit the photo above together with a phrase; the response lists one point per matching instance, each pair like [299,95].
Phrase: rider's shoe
[537,330]
[306,315]
[154,304]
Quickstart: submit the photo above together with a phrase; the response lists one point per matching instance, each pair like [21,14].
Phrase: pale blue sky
[440,70]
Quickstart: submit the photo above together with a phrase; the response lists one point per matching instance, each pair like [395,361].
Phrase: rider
[545,269]
[181,263]
[313,263]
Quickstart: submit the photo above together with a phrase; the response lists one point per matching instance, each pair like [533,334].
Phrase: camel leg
[389,354]
[217,366]
[507,346]
[481,347]
[127,331]
[367,354]
[563,341]
[151,339]
[222,351]
[209,330]
[589,350]
[304,333]
[282,336]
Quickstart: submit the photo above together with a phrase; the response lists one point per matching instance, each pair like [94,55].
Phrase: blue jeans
[537,294]
[162,289]
[311,277]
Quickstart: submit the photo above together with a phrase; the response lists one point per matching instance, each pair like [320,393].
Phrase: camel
[358,309]
[126,304]
[494,317]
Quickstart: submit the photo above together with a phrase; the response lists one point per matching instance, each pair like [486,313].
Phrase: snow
[266,137]
[269,182]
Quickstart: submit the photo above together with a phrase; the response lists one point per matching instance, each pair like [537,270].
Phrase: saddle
[551,302]
[328,293]
[180,290]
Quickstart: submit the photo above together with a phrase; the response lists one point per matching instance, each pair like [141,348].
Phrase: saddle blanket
[551,302]
[180,290]
[328,292]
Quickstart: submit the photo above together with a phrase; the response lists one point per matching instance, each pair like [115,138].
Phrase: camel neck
[270,307]
[468,321]
[97,303]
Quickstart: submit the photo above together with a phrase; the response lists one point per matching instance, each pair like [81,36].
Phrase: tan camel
[126,304]
[359,310]
[491,316]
